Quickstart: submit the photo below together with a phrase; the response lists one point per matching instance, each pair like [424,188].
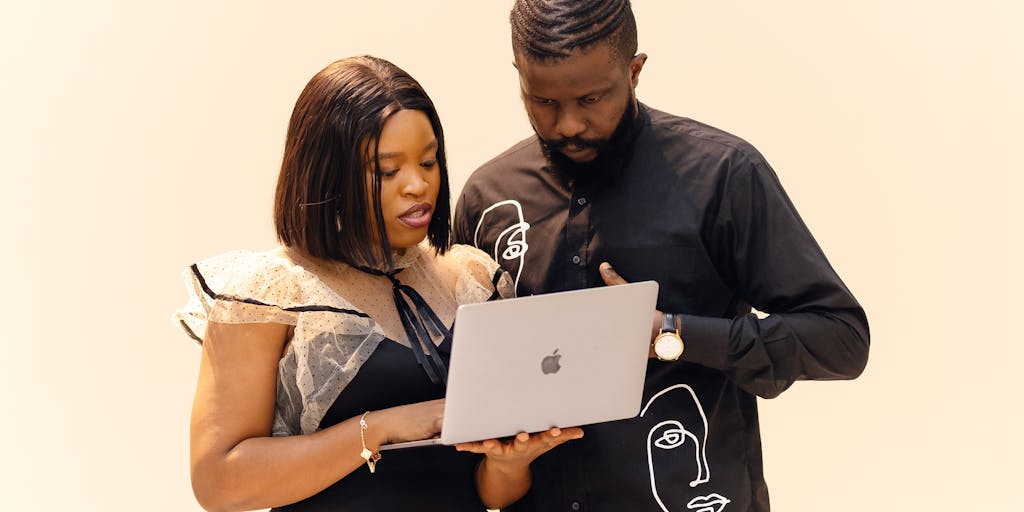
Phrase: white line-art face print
[666,438]
[510,245]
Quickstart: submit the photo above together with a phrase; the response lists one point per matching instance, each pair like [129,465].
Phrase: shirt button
[581,201]
[575,505]
[576,260]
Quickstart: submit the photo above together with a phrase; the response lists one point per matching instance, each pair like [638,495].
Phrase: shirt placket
[577,241]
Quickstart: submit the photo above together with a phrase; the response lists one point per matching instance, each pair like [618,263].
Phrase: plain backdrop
[137,137]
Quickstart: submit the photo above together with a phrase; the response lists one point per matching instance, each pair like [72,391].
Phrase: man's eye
[591,99]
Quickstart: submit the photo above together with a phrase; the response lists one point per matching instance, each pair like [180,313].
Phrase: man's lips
[418,216]
[578,153]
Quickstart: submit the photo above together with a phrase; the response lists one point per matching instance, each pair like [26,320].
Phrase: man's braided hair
[544,30]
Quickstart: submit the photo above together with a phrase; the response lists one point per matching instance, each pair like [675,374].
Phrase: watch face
[668,346]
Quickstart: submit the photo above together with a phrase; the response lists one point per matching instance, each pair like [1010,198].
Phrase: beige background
[138,137]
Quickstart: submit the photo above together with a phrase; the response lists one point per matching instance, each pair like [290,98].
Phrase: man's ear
[636,65]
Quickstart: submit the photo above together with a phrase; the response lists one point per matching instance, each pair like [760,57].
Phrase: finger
[521,442]
[470,447]
[484,447]
[572,433]
[565,435]
[610,276]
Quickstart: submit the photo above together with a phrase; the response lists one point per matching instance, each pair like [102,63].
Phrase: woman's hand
[412,422]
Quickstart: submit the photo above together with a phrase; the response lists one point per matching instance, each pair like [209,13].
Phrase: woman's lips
[417,217]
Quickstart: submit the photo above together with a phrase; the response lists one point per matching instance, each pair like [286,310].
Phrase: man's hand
[522,449]
[612,278]
[504,475]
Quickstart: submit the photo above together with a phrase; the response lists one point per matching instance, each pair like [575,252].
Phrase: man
[608,179]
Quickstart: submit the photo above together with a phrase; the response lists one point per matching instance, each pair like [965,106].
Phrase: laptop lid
[560,359]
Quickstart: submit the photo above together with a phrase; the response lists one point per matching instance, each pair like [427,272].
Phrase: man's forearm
[765,356]
[500,485]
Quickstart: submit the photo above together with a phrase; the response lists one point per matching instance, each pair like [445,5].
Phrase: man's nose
[570,123]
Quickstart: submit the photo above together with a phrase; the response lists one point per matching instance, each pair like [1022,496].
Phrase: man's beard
[612,153]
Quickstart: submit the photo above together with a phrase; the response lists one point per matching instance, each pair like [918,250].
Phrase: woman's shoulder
[273,286]
[476,276]
[268,276]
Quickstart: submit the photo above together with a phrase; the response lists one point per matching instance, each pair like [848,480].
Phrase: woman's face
[410,177]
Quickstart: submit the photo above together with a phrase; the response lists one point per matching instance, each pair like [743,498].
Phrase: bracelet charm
[371,458]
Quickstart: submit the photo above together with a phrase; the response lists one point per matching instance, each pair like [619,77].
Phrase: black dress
[412,479]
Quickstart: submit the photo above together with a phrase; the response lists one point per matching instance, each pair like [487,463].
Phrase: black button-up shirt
[700,212]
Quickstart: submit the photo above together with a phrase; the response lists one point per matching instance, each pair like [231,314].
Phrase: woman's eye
[388,173]
[429,164]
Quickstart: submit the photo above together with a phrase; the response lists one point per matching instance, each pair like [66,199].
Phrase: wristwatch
[668,345]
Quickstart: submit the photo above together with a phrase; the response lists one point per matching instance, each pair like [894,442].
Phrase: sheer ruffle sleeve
[478,277]
[331,339]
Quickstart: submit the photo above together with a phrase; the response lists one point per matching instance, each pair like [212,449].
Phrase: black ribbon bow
[417,324]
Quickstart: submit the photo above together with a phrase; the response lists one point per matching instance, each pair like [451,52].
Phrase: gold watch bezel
[671,337]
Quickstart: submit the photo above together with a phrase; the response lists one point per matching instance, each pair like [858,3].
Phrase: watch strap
[670,323]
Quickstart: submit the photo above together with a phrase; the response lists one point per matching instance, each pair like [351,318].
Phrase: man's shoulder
[523,157]
[695,135]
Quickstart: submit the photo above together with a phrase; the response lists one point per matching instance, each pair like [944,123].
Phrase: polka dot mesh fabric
[340,314]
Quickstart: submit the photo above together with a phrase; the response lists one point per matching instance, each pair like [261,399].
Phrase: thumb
[610,276]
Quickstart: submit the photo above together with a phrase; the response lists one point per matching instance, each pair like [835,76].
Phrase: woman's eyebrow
[385,156]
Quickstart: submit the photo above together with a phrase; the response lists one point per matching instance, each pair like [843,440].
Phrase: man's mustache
[576,141]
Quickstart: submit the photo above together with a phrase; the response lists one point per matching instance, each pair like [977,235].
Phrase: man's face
[575,104]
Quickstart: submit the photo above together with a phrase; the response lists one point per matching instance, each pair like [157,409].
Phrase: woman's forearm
[263,472]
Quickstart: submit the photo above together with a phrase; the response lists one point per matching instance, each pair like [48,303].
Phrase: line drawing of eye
[671,438]
[517,247]
[672,434]
[675,437]
[513,237]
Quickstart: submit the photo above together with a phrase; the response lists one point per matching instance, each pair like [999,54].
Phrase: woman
[318,352]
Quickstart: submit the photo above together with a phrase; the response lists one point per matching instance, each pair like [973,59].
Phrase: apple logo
[550,363]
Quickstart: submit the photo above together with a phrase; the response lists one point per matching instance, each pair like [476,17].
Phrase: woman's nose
[416,184]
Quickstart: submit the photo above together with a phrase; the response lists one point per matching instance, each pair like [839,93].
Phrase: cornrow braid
[553,29]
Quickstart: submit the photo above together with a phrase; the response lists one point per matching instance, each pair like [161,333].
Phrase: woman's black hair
[321,204]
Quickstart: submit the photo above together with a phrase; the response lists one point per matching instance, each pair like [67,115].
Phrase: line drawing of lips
[513,238]
[713,502]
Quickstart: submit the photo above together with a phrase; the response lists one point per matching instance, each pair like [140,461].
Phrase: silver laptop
[559,359]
